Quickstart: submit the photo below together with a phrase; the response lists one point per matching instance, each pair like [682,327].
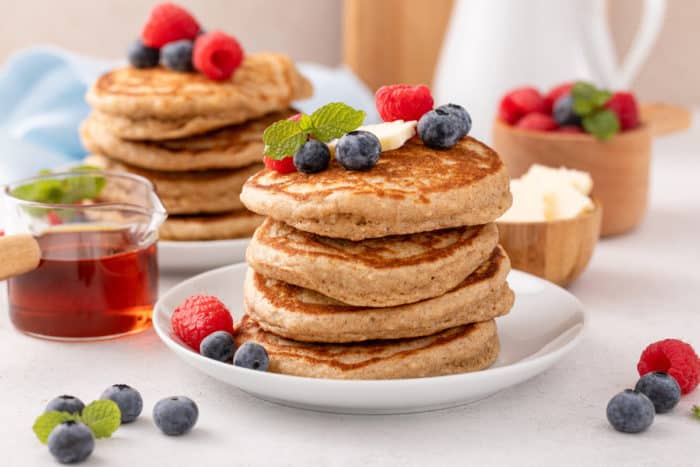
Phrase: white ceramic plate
[544,325]
[200,256]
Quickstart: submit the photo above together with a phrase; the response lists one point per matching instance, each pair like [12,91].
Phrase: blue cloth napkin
[42,103]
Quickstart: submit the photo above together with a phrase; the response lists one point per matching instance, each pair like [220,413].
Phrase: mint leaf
[305,122]
[602,124]
[46,422]
[103,417]
[696,410]
[587,98]
[283,139]
[65,191]
[334,120]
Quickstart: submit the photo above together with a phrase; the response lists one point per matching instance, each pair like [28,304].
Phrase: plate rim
[517,367]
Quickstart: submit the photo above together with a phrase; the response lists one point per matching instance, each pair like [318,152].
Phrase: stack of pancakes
[395,272]
[196,139]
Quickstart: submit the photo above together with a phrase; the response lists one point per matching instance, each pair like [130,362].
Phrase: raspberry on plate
[520,102]
[403,102]
[555,93]
[168,23]
[198,316]
[217,55]
[674,357]
[625,107]
[283,166]
[537,121]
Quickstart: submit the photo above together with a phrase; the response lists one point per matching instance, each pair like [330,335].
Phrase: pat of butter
[392,135]
[546,194]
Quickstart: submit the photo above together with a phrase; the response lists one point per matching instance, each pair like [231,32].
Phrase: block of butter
[548,194]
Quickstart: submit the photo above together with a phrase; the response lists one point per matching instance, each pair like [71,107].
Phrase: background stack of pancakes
[196,139]
[391,273]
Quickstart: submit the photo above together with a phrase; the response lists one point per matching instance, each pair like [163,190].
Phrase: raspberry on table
[520,102]
[537,121]
[674,357]
[198,316]
[625,107]
[168,23]
[217,55]
[403,102]
[283,166]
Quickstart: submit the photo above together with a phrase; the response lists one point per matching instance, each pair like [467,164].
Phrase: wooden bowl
[619,167]
[558,251]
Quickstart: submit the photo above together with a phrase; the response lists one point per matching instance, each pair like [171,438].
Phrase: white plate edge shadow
[246,380]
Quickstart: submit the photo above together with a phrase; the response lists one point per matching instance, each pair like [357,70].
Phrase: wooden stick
[665,118]
[18,254]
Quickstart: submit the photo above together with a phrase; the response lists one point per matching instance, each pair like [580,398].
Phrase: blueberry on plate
[71,442]
[175,415]
[460,113]
[127,398]
[65,403]
[177,55]
[312,157]
[218,345]
[630,411]
[253,356]
[358,150]
[563,111]
[440,129]
[142,56]
[661,388]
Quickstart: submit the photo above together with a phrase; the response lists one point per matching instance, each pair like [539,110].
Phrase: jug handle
[19,254]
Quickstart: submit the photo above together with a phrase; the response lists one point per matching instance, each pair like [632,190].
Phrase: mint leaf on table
[334,120]
[103,417]
[587,98]
[603,124]
[46,422]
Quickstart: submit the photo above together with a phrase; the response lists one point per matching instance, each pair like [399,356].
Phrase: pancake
[189,192]
[374,272]
[456,350]
[411,189]
[304,315]
[228,148]
[164,104]
[236,224]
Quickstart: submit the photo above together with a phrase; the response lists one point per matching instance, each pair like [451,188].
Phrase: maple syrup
[89,284]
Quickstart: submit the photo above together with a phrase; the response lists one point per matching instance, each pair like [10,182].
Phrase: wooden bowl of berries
[579,126]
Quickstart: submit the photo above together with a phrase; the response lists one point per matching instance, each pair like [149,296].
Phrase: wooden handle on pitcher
[18,254]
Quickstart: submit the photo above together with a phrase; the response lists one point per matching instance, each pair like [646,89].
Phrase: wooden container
[619,166]
[558,251]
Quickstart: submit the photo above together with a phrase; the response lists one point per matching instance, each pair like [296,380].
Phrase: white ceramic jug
[495,45]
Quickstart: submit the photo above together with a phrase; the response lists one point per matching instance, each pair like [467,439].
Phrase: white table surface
[639,288]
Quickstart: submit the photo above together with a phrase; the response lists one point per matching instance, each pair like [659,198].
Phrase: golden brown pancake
[374,272]
[455,350]
[411,189]
[236,224]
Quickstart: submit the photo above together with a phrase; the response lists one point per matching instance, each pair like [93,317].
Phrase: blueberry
[563,111]
[463,116]
[178,55]
[253,356]
[630,411]
[71,442]
[358,150]
[127,398]
[440,129]
[218,345]
[175,415]
[312,157]
[65,403]
[142,56]
[661,388]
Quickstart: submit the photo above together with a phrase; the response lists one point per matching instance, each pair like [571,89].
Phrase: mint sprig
[103,417]
[588,103]
[68,190]
[285,137]
[696,410]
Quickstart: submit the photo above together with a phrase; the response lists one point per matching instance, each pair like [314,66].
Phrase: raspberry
[537,121]
[295,118]
[403,102]
[217,55]
[520,102]
[168,23]
[283,166]
[555,93]
[570,129]
[625,106]
[53,218]
[674,357]
[2,233]
[199,316]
